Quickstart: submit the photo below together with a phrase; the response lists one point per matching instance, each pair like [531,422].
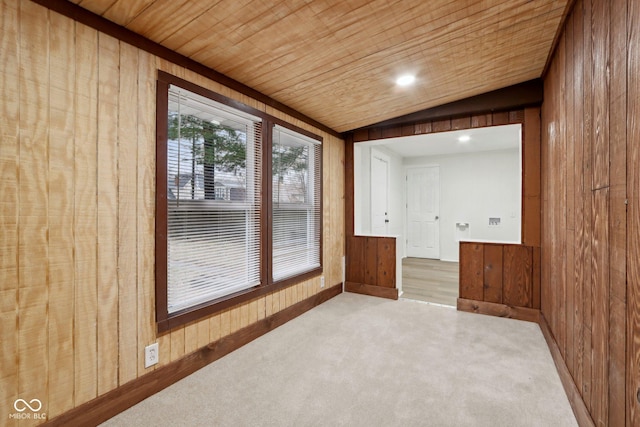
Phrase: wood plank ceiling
[336,60]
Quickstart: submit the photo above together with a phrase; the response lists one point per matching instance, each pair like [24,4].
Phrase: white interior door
[379,193]
[423,210]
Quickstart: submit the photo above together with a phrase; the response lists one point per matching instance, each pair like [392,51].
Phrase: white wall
[474,187]
[362,192]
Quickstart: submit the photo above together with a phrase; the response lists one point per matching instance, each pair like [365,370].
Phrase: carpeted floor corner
[365,361]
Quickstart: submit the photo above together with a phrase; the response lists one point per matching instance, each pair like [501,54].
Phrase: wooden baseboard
[115,401]
[499,310]
[534,315]
[573,394]
[375,291]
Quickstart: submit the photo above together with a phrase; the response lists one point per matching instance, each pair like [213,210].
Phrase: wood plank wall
[506,277]
[77,164]
[591,230]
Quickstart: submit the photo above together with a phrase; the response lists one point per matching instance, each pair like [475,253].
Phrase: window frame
[164,320]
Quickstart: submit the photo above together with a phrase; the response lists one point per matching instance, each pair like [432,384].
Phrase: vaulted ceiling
[336,61]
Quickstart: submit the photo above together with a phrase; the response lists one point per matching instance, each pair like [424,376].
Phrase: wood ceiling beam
[527,94]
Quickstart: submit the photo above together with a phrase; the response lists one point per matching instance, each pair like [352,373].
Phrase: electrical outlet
[322,281]
[151,355]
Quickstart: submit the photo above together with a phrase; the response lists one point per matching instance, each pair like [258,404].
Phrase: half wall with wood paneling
[372,266]
[591,208]
[528,117]
[500,279]
[77,164]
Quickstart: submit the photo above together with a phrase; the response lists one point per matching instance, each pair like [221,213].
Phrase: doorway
[423,212]
[442,188]
[379,193]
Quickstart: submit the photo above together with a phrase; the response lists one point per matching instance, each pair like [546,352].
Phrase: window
[296,203]
[238,209]
[213,206]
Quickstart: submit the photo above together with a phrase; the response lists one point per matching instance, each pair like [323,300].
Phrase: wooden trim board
[534,315]
[499,310]
[519,96]
[575,399]
[113,402]
[375,291]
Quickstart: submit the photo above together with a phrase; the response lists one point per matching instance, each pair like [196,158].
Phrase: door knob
[437,217]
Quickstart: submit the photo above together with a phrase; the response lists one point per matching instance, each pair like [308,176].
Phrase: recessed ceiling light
[464,138]
[406,80]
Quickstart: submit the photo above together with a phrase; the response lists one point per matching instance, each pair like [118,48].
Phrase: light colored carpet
[363,361]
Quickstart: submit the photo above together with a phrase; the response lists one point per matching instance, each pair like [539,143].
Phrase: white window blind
[213,192]
[296,203]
